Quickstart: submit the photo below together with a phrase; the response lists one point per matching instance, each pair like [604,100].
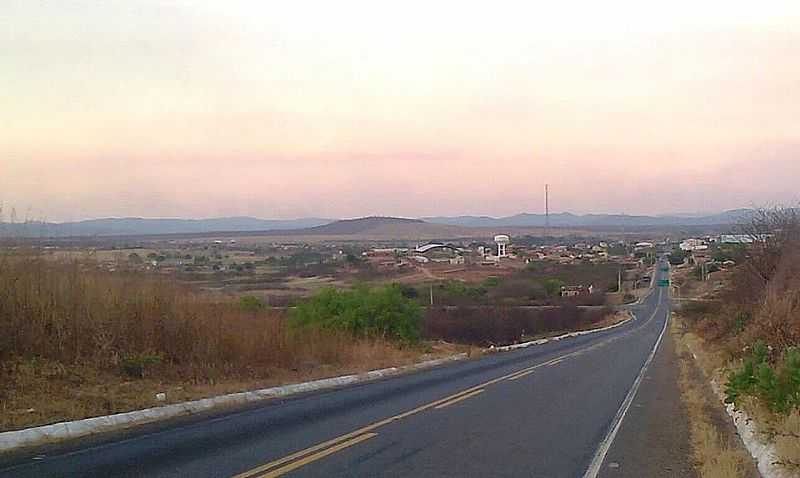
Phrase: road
[562,409]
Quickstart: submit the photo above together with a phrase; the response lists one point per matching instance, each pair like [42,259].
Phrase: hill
[376,227]
[132,226]
[566,219]
[362,225]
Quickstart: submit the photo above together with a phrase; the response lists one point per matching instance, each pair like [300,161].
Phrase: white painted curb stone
[763,452]
[79,428]
[523,345]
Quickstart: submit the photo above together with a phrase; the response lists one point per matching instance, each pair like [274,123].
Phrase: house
[457,260]
[691,245]
[576,290]
[740,238]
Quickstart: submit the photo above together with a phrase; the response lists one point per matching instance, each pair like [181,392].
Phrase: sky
[345,109]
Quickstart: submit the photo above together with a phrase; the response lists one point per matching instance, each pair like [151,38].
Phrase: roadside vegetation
[76,341]
[749,324]
[486,326]
[379,312]
[716,450]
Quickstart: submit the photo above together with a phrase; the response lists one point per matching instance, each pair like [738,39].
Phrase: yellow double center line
[303,457]
[456,400]
[274,469]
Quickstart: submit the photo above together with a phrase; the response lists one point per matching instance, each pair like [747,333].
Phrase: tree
[352,259]
[409,292]
[552,287]
[367,312]
[134,258]
[677,256]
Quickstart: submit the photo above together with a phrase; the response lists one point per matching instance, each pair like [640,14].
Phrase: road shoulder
[654,439]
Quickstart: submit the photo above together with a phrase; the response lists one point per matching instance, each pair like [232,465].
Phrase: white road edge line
[605,445]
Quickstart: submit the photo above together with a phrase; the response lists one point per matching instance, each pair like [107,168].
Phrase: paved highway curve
[546,411]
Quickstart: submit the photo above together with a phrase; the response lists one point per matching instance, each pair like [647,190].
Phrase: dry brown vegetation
[716,451]
[759,304]
[761,297]
[495,325]
[76,342]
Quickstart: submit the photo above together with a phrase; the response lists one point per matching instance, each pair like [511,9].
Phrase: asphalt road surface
[579,407]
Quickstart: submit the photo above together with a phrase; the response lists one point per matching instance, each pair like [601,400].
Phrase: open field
[76,342]
[282,273]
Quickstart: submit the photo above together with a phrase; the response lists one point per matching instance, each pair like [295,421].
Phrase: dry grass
[787,439]
[714,359]
[78,342]
[758,301]
[716,453]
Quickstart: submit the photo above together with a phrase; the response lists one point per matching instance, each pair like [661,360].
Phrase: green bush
[677,256]
[251,303]
[741,320]
[492,281]
[462,289]
[371,312]
[553,287]
[777,387]
[409,292]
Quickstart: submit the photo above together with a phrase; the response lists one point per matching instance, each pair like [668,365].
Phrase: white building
[691,245]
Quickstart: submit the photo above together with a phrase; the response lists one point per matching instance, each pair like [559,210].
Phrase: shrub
[553,287]
[408,291]
[777,387]
[251,303]
[492,281]
[368,312]
[677,256]
[504,325]
[454,292]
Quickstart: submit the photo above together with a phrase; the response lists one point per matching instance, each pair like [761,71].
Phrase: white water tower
[502,241]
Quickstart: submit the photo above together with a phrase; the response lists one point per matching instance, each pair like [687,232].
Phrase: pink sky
[174,108]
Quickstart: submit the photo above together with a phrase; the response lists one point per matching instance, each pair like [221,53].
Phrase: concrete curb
[523,345]
[763,452]
[89,426]
[79,428]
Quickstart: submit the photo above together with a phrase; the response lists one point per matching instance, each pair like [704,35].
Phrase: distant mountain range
[566,219]
[319,226]
[140,226]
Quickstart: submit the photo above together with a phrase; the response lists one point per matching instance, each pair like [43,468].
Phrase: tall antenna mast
[546,210]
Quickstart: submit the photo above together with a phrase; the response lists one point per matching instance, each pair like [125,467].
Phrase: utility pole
[546,210]
[619,280]
[431,294]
